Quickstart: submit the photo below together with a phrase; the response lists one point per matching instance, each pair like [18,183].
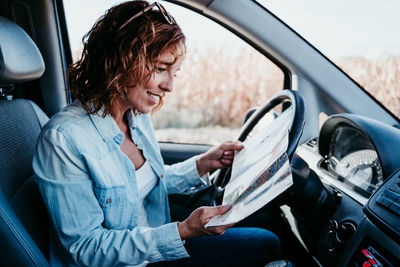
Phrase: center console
[382,212]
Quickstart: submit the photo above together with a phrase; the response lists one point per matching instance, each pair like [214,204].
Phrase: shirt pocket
[113,201]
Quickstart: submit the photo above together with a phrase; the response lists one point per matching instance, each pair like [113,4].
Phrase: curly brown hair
[111,55]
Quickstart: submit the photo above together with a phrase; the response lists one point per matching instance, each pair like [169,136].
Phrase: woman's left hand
[217,157]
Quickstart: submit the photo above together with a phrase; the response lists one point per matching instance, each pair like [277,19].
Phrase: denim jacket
[89,188]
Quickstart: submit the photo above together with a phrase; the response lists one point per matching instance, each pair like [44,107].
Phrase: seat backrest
[24,224]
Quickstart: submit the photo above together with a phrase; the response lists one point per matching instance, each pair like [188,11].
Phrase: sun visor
[20,59]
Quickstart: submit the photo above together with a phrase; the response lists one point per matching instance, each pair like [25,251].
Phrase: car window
[221,78]
[362,37]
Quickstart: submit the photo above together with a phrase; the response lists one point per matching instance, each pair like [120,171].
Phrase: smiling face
[161,81]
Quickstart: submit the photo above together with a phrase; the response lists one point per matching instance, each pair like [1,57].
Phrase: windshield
[362,37]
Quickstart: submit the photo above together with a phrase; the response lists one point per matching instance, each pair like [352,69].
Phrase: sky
[367,28]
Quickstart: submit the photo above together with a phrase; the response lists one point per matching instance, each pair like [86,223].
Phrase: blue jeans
[241,246]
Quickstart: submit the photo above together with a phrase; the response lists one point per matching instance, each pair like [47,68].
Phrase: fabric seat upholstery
[24,224]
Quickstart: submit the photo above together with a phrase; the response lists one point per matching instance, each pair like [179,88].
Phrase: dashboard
[356,159]
[353,160]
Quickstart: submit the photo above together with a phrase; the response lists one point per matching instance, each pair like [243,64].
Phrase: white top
[146,179]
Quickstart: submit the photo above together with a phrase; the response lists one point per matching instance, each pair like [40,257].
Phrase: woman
[99,167]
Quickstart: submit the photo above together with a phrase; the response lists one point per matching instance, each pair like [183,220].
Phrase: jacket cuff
[169,242]
[193,172]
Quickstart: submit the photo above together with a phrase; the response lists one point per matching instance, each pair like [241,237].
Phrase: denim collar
[107,127]
[131,117]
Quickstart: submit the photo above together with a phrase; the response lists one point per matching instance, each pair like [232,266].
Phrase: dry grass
[216,88]
[380,77]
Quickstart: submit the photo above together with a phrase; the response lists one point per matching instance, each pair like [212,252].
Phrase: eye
[160,69]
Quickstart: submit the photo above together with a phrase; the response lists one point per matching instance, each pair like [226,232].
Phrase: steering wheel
[295,131]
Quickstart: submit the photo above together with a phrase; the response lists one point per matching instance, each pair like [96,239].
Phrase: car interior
[343,208]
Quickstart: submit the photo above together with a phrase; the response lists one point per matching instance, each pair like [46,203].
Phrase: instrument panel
[353,160]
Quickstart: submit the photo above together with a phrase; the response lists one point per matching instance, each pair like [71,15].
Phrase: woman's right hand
[194,224]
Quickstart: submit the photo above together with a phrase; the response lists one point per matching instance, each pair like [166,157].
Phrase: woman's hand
[194,224]
[217,157]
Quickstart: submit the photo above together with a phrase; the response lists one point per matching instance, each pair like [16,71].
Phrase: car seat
[24,223]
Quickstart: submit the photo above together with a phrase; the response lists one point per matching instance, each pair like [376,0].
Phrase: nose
[168,83]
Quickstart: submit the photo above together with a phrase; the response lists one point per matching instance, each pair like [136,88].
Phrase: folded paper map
[260,172]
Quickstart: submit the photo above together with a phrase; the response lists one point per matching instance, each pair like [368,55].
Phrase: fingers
[221,209]
[231,145]
[219,230]
[228,154]
[218,157]
[194,224]
[207,231]
[207,213]
[227,157]
[226,162]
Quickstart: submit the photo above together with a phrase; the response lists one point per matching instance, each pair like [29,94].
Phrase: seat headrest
[20,59]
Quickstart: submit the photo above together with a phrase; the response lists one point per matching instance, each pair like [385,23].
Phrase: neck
[118,112]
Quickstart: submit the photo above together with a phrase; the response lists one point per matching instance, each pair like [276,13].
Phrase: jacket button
[108,200]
